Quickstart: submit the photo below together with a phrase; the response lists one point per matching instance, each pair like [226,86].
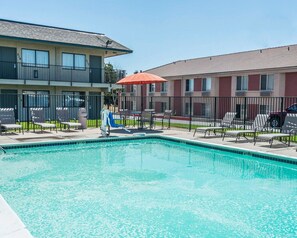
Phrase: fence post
[215,111]
[28,112]
[190,122]
[244,116]
[96,108]
[125,103]
[282,109]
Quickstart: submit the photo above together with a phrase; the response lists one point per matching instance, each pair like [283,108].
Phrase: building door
[94,105]
[9,99]
[95,69]
[8,63]
[224,96]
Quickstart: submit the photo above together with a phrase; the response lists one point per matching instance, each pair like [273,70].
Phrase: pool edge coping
[13,225]
[259,154]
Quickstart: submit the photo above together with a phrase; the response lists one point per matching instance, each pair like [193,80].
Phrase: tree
[112,75]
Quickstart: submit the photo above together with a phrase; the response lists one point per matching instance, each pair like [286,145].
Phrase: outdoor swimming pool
[148,188]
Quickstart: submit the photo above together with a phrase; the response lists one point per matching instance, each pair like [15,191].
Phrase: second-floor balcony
[55,75]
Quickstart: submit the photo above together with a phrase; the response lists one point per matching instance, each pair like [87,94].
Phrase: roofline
[47,26]
[220,55]
[235,53]
[63,43]
[231,72]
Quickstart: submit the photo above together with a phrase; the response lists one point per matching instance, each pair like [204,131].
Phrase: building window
[73,99]
[36,99]
[36,58]
[205,109]
[267,82]
[206,84]
[240,111]
[152,88]
[264,109]
[163,87]
[189,85]
[187,108]
[163,106]
[241,83]
[132,89]
[73,61]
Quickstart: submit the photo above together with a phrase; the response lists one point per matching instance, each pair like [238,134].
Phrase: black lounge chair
[225,123]
[259,124]
[7,120]
[288,130]
[64,118]
[38,119]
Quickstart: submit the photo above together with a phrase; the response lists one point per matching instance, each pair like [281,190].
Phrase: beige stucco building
[44,60]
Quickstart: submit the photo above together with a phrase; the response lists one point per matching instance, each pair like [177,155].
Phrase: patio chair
[288,130]
[166,117]
[38,119]
[146,117]
[225,123]
[7,120]
[64,118]
[259,124]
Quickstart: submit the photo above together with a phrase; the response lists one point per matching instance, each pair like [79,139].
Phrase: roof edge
[231,72]
[47,26]
[63,43]
[221,55]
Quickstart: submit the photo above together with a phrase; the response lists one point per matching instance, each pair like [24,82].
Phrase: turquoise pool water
[148,188]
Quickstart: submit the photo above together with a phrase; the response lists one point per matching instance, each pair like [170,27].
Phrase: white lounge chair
[7,120]
[166,117]
[259,124]
[64,118]
[225,123]
[288,130]
[38,119]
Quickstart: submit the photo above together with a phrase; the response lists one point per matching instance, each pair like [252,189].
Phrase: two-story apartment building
[39,61]
[261,73]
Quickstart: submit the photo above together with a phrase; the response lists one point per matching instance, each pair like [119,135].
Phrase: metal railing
[204,111]
[50,73]
[188,112]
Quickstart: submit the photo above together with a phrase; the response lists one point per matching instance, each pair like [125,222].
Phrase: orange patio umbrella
[141,78]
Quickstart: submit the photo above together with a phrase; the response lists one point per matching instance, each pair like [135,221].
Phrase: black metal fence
[188,112]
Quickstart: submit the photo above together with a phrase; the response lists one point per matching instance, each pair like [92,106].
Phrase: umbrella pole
[141,92]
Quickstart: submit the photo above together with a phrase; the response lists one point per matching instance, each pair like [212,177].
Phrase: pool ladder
[1,148]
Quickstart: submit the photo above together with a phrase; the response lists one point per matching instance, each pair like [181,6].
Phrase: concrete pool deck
[12,226]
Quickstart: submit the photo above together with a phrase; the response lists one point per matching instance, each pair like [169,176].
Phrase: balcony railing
[50,73]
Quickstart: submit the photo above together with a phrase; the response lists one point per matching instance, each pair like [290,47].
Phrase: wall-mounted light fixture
[108,42]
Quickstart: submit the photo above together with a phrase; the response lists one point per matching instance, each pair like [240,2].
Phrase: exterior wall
[55,58]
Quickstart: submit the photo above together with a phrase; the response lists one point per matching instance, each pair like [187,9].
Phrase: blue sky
[163,31]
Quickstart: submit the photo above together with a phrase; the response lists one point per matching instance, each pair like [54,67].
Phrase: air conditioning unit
[205,93]
[240,93]
[265,93]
